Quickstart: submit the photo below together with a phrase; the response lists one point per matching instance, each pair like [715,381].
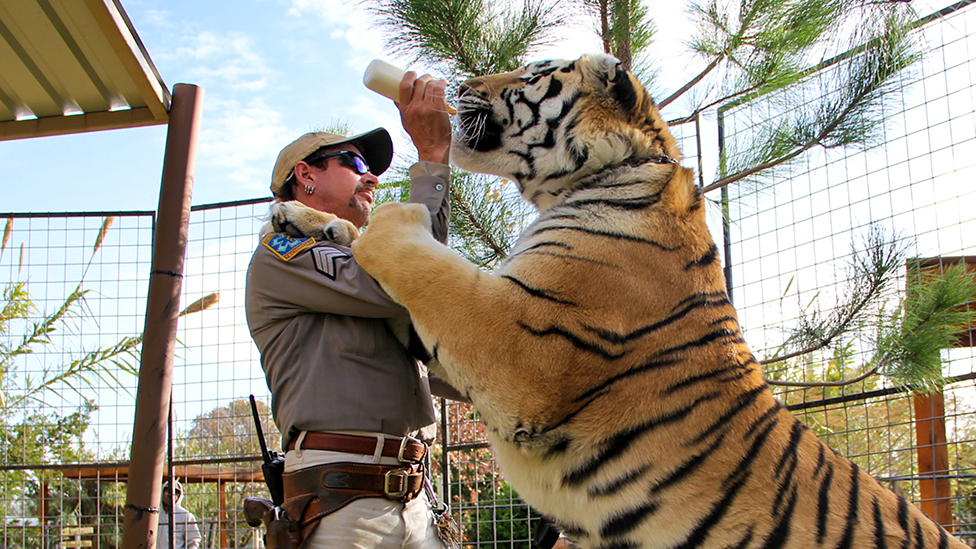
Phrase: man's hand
[423,112]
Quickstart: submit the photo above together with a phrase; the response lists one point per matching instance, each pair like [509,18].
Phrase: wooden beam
[88,122]
[933,458]
[114,472]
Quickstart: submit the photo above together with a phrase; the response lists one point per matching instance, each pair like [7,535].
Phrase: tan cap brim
[376,147]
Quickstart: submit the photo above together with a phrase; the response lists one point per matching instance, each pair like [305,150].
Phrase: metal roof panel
[72,66]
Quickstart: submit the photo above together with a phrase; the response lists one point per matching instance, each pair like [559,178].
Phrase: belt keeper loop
[298,444]
[378,452]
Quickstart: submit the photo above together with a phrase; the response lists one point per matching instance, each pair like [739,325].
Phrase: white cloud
[229,58]
[242,139]
[347,21]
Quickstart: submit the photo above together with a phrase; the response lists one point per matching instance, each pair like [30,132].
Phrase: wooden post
[142,500]
[933,457]
[222,519]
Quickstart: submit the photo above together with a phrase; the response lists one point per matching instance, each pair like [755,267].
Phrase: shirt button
[439,187]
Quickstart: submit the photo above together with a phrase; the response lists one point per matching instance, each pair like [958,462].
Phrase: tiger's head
[550,123]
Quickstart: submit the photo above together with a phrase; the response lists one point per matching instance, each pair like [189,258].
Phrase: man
[186,534]
[354,408]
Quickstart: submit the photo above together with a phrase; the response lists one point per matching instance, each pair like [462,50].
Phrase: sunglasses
[348,159]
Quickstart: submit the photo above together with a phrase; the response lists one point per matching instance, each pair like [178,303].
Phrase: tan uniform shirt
[318,320]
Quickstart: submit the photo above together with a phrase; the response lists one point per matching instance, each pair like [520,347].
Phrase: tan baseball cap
[375,145]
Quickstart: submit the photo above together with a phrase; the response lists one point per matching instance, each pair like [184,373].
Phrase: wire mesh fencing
[796,240]
[75,293]
[75,287]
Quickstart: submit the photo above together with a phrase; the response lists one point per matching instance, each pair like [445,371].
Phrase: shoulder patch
[286,247]
[326,259]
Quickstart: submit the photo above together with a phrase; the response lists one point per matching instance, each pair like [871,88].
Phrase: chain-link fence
[75,288]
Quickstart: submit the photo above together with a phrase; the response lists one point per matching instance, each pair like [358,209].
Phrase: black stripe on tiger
[707,339]
[781,532]
[686,468]
[618,483]
[626,522]
[903,521]
[702,303]
[790,451]
[919,536]
[620,544]
[732,484]
[569,417]
[758,422]
[692,380]
[724,319]
[631,203]
[744,542]
[744,401]
[789,456]
[821,458]
[573,257]
[852,503]
[610,234]
[545,244]
[705,260]
[549,141]
[536,292]
[717,512]
[700,296]
[614,446]
[823,503]
[645,367]
[573,339]
[879,531]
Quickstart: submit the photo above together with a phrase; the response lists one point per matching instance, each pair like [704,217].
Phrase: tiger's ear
[611,76]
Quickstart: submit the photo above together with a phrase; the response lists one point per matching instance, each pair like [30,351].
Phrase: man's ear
[302,172]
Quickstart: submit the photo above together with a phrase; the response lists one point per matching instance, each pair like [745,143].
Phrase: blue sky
[270,70]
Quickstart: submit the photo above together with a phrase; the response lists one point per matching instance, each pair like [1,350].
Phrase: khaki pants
[368,523]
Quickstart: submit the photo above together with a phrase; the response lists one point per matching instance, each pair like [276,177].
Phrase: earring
[309,189]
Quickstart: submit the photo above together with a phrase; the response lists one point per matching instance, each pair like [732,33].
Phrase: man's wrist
[440,156]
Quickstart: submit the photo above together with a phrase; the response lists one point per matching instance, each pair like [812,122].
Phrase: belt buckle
[403,447]
[402,475]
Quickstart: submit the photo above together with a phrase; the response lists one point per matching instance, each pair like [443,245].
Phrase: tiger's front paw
[300,221]
[390,228]
[340,231]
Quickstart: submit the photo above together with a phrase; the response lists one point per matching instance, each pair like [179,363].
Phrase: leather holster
[313,493]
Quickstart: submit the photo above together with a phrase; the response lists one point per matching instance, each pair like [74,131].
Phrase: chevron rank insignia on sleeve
[326,258]
[286,247]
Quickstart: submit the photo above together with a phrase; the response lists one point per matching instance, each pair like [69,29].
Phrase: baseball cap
[375,146]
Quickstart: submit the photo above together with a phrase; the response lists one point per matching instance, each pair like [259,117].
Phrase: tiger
[604,354]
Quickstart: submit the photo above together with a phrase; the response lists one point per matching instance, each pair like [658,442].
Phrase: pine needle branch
[870,277]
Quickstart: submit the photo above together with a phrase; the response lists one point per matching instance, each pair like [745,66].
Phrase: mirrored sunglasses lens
[357,163]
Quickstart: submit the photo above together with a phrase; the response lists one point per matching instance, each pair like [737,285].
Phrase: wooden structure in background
[187,474]
[930,427]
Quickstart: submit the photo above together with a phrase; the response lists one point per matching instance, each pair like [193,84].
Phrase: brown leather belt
[406,449]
